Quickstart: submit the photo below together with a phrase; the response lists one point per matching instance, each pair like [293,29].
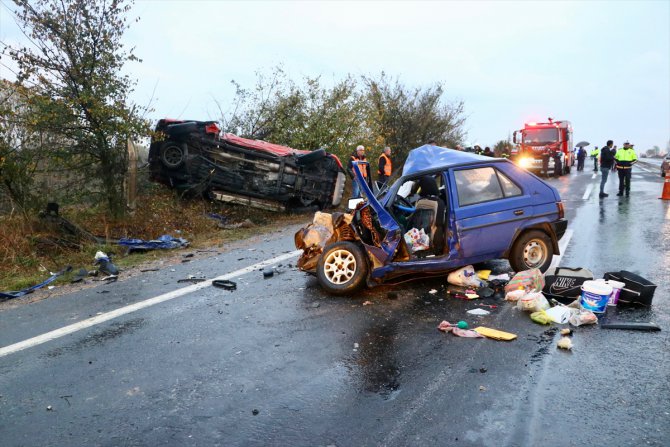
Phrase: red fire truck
[544,147]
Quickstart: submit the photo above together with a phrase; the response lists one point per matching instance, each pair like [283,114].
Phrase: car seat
[429,213]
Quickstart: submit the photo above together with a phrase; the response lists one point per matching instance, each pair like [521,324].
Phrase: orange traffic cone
[666,186]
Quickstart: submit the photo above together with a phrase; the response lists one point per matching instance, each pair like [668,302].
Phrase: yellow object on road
[495,333]
[483,274]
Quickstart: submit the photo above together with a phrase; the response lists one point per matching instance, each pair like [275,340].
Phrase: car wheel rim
[534,254]
[172,156]
[340,266]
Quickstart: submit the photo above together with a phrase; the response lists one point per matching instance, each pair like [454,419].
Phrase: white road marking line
[562,246]
[57,333]
[587,193]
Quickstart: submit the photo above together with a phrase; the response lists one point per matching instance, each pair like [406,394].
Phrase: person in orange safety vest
[385,166]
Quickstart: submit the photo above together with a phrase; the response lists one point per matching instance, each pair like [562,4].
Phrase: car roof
[428,157]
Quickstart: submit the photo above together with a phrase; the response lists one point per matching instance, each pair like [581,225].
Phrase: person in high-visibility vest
[358,155]
[594,154]
[625,158]
[385,166]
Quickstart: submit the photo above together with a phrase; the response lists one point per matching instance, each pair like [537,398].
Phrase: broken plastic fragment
[478,312]
[564,343]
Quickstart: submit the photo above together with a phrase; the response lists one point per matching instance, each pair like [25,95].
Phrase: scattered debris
[20,293]
[49,408]
[193,278]
[367,303]
[456,329]
[268,272]
[564,343]
[482,388]
[149,270]
[478,312]
[466,277]
[224,284]
[495,333]
[432,291]
[187,255]
[566,331]
[255,412]
[105,264]
[540,317]
[632,326]
[483,370]
[164,242]
[79,276]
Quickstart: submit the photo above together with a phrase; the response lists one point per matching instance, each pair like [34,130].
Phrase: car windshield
[540,137]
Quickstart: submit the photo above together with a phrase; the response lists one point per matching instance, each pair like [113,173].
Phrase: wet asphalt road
[278,362]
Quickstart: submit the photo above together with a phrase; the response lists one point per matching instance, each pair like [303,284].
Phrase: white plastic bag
[533,302]
[417,240]
[465,277]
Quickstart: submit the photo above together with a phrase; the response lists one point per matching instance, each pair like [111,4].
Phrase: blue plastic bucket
[595,295]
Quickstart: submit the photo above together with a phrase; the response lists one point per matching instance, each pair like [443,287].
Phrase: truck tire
[342,268]
[313,156]
[533,249]
[173,155]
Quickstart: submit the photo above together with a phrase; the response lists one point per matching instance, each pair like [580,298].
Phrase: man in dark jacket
[606,162]
[581,156]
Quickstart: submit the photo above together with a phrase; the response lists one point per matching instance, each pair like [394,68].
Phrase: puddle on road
[375,360]
[98,338]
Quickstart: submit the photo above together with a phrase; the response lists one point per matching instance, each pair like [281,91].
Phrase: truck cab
[545,148]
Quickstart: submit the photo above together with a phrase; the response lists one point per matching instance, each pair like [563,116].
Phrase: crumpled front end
[325,229]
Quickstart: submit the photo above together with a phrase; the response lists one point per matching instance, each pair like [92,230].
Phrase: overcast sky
[604,65]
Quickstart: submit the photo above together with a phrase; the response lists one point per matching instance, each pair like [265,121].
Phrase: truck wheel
[313,156]
[173,154]
[533,249]
[342,268]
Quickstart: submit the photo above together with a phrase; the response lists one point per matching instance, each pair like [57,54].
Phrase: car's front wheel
[342,268]
[532,249]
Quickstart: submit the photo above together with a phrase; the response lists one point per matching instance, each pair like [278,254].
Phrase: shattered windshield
[540,137]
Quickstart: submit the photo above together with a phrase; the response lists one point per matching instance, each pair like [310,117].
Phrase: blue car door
[489,206]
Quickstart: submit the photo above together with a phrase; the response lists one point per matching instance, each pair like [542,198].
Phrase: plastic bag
[581,317]
[515,295]
[417,240]
[531,280]
[540,317]
[533,302]
[559,314]
[465,277]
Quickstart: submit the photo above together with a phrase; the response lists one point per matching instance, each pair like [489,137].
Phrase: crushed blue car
[448,209]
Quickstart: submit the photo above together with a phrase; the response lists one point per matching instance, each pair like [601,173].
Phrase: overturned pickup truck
[195,157]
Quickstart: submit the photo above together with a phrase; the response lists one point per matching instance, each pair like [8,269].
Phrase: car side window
[477,185]
[510,189]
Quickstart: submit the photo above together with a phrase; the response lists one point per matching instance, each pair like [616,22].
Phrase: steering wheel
[403,204]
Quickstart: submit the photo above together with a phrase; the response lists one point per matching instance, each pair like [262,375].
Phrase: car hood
[436,157]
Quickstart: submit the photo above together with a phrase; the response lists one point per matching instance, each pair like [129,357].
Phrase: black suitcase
[637,290]
[564,284]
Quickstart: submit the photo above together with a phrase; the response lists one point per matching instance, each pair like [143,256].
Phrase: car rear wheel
[173,155]
[342,268]
[532,249]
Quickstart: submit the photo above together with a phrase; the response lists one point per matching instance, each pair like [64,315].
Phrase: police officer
[385,166]
[358,155]
[594,154]
[625,158]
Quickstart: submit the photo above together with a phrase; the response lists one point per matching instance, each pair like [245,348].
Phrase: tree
[405,118]
[73,70]
[303,115]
